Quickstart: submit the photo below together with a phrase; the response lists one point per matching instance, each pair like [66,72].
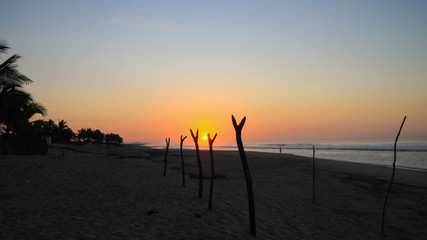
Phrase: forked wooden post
[211,141]
[238,129]
[182,161]
[168,141]
[199,163]
[314,179]
[392,176]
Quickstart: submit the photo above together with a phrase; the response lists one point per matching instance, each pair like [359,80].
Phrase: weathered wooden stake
[168,141]
[392,176]
[199,163]
[238,129]
[211,141]
[182,161]
[314,179]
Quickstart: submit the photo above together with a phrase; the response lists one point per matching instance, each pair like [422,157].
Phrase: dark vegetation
[20,135]
[16,109]
[87,135]
[61,133]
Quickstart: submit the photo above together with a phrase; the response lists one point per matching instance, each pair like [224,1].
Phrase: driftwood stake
[392,176]
[199,163]
[314,179]
[182,161]
[168,141]
[211,141]
[238,129]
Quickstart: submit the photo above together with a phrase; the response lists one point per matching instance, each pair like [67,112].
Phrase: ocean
[411,154]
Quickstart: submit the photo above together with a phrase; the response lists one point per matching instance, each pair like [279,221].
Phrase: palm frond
[9,73]
[10,62]
[15,92]
[35,108]
[3,48]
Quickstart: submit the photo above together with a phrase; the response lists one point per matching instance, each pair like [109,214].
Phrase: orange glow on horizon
[297,118]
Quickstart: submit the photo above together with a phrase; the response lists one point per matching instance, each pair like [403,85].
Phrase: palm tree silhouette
[16,105]
[62,125]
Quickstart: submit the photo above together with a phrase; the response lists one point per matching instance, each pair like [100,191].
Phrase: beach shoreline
[107,192]
[411,153]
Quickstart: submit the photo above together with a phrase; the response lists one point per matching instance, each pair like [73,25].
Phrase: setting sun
[205,137]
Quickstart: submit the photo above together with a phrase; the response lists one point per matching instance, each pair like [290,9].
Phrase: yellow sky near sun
[313,116]
[286,110]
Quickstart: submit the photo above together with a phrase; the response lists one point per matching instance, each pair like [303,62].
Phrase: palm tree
[16,105]
[62,125]
[63,133]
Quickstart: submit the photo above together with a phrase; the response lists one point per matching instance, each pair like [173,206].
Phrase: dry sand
[95,192]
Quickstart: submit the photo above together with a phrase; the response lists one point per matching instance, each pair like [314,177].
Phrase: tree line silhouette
[87,135]
[61,133]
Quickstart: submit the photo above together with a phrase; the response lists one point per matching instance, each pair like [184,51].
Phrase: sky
[298,70]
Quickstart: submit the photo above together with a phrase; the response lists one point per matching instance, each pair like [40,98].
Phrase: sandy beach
[99,192]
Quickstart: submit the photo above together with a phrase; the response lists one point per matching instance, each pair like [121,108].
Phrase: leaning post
[314,177]
[392,176]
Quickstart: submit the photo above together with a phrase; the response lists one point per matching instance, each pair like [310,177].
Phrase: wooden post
[211,141]
[199,163]
[392,176]
[314,179]
[182,161]
[238,129]
[168,141]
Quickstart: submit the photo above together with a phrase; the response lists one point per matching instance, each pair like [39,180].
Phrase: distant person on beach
[280,149]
